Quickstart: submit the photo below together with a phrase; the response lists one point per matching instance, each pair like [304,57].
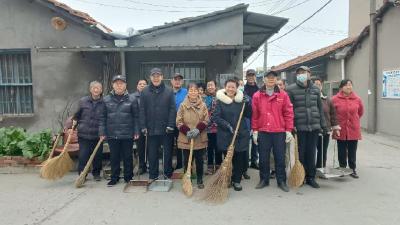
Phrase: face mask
[302,77]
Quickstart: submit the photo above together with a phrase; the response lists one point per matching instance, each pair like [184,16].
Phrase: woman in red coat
[349,110]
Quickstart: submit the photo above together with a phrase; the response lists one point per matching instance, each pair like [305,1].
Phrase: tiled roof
[86,18]
[315,54]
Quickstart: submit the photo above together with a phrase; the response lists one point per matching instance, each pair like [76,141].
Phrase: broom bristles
[187,185]
[55,168]
[297,175]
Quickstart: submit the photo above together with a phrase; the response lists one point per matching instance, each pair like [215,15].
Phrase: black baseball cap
[271,72]
[155,70]
[305,68]
[119,77]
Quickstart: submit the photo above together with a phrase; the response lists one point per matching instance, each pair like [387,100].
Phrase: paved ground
[374,199]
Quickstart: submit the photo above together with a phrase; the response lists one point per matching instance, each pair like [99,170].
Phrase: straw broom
[55,168]
[297,173]
[82,177]
[216,189]
[186,181]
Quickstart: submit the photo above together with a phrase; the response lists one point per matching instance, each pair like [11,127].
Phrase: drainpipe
[372,87]
[122,57]
[343,68]
[265,56]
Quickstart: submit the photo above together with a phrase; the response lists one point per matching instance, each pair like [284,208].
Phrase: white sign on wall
[391,84]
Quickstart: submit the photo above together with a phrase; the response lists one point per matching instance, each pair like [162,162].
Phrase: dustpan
[162,183]
[138,182]
[326,172]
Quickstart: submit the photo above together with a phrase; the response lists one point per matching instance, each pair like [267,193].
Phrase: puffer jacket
[157,109]
[227,115]
[190,116]
[88,117]
[272,113]
[307,106]
[329,113]
[119,119]
[349,110]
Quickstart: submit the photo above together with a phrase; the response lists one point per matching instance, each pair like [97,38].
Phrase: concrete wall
[334,70]
[57,77]
[227,30]
[388,59]
[357,69]
[359,15]
[217,62]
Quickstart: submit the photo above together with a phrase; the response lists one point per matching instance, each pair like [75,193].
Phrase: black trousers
[154,144]
[121,148]
[212,150]
[198,157]
[86,148]
[307,142]
[347,151]
[177,151]
[239,164]
[140,151]
[322,147]
[276,142]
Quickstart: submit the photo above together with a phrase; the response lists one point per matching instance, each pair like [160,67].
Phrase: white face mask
[302,77]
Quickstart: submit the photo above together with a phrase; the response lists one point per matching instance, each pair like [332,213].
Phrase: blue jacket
[179,97]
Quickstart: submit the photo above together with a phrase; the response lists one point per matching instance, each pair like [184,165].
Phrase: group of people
[159,116]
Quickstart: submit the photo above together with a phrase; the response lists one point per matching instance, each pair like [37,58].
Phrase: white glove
[289,137]
[255,137]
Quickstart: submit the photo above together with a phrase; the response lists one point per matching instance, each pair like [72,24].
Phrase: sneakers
[354,175]
[97,177]
[312,183]
[262,184]
[254,165]
[283,187]
[112,183]
[237,186]
[246,176]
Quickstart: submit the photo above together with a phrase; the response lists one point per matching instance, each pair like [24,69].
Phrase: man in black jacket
[119,125]
[87,117]
[309,119]
[141,142]
[157,121]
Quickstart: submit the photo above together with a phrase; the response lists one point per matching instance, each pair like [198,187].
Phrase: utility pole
[265,56]
[372,83]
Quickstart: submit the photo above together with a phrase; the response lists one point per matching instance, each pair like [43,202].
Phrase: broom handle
[237,125]
[189,166]
[67,142]
[296,148]
[89,162]
[54,146]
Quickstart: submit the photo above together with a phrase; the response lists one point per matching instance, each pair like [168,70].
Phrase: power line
[294,6]
[291,30]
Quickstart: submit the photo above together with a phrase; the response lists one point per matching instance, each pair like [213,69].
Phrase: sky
[325,28]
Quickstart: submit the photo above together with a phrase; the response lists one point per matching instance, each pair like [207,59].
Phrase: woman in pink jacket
[272,123]
[349,110]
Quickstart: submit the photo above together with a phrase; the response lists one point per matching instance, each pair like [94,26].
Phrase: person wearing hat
[180,95]
[119,126]
[272,123]
[87,118]
[309,119]
[157,122]
[250,89]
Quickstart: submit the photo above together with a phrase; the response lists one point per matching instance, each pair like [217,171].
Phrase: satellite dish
[58,23]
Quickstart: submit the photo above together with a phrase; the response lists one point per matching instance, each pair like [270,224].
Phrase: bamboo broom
[82,177]
[297,174]
[55,168]
[186,181]
[216,189]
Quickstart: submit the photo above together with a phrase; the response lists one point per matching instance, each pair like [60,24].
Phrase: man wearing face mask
[309,119]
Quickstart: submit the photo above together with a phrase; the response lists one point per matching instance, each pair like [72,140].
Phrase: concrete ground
[374,199]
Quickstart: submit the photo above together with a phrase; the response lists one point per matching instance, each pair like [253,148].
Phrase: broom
[186,181]
[297,174]
[82,177]
[216,189]
[58,166]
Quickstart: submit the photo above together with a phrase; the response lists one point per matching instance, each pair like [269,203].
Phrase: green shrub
[9,139]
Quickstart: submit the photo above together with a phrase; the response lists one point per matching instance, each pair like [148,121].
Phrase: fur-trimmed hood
[221,95]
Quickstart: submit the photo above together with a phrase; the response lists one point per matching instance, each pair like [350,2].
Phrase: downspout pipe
[373,76]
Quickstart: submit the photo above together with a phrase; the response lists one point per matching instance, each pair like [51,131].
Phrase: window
[15,82]
[191,71]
